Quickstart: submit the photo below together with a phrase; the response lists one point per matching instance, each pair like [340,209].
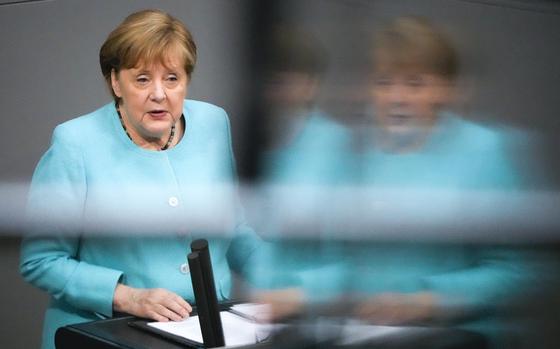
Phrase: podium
[116,333]
[121,332]
[109,334]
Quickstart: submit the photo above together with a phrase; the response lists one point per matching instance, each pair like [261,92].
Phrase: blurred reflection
[301,139]
[415,147]
[417,143]
[304,156]
[416,140]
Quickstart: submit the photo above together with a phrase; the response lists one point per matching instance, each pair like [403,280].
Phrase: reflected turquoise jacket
[317,160]
[459,158]
[93,184]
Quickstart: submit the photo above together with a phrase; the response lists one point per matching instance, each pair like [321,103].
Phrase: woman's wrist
[122,297]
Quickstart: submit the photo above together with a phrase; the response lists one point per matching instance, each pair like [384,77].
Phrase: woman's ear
[115,84]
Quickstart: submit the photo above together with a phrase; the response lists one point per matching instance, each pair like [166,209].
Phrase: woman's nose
[397,94]
[158,92]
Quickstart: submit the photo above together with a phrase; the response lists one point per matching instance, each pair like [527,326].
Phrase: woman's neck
[167,141]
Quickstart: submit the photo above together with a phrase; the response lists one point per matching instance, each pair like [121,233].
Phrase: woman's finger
[176,303]
[151,314]
[183,303]
[177,308]
[168,313]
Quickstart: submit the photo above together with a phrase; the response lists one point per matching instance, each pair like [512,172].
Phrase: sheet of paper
[237,330]
[354,332]
[254,311]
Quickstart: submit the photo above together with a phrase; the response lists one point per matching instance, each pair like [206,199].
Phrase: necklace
[166,146]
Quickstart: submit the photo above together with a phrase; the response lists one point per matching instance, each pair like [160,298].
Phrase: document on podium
[252,311]
[238,330]
[355,332]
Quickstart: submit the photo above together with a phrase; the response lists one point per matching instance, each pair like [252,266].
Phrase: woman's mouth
[157,113]
[399,118]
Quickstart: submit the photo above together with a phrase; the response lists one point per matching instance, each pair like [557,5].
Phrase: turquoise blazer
[459,157]
[103,210]
[315,161]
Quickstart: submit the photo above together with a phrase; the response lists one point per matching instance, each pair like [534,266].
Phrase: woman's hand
[399,308]
[152,303]
[282,303]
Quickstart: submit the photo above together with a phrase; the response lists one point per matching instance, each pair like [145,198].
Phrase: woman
[305,156]
[418,151]
[135,165]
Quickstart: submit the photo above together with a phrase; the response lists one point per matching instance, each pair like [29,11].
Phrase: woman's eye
[415,81]
[172,80]
[383,81]
[142,80]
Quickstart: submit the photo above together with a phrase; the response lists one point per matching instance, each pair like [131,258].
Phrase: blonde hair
[413,43]
[146,37]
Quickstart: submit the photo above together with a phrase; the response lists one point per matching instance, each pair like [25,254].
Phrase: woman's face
[405,102]
[151,98]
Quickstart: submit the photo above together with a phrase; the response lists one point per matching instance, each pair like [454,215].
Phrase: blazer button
[173,201]
[184,268]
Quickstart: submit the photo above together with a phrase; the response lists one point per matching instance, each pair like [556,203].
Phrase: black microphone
[200,246]
[204,318]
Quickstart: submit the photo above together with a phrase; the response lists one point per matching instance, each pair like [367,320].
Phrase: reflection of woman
[306,154]
[417,151]
[416,141]
[136,159]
